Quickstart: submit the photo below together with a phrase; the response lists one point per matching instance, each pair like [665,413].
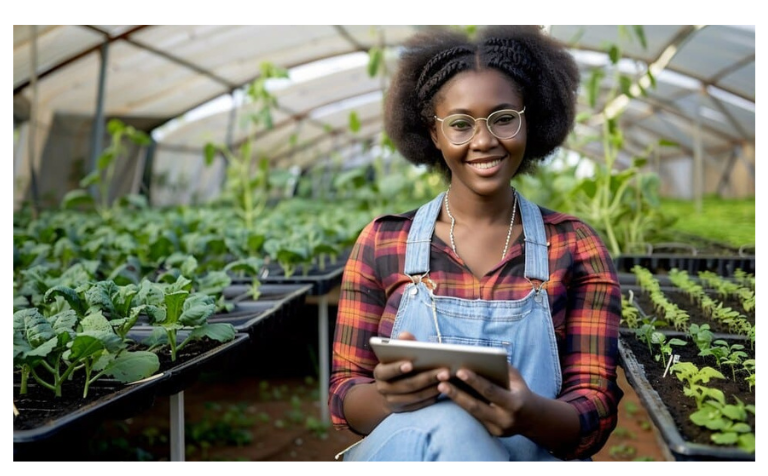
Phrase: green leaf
[96,322]
[84,346]
[135,200]
[593,90]
[173,305]
[375,56]
[33,326]
[652,78]
[139,137]
[189,266]
[725,438]
[354,122]
[197,308]
[92,178]
[614,53]
[583,116]
[65,321]
[158,336]
[115,126]
[132,366]
[105,160]
[209,153]
[220,332]
[640,33]
[625,84]
[69,295]
[43,349]
[747,442]
[251,265]
[100,296]
[76,198]
[213,283]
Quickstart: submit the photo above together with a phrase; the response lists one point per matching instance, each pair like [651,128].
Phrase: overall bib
[445,431]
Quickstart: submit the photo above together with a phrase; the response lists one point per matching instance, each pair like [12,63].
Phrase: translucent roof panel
[183,78]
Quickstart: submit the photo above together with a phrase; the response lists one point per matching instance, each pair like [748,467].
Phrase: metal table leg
[324,356]
[177,426]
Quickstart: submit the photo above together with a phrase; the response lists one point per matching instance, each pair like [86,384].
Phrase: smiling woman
[481,111]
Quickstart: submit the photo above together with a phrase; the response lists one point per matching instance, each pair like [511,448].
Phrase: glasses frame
[474,129]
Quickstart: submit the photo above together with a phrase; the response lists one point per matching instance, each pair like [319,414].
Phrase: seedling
[665,346]
[702,335]
[749,367]
[729,423]
[688,373]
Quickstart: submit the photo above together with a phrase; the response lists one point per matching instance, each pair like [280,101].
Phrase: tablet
[489,362]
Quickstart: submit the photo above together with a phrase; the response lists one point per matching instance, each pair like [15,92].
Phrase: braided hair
[540,68]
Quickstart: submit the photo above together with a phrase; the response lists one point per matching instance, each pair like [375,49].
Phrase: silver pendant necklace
[453,223]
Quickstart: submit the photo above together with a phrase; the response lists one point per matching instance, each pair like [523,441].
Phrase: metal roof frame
[188,66]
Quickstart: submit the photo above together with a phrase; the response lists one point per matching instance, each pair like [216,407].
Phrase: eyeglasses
[461,128]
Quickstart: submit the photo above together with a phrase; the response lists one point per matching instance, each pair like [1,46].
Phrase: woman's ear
[433,135]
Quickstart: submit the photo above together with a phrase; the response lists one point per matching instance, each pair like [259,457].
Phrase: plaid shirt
[583,290]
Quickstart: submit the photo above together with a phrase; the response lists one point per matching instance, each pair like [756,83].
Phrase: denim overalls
[445,431]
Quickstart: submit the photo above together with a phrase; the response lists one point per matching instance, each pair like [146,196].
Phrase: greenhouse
[187,199]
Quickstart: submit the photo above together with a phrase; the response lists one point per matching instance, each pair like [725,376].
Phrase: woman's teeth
[486,165]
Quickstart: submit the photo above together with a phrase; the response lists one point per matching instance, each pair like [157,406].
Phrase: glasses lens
[504,124]
[459,128]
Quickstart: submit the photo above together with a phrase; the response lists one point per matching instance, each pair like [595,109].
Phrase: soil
[262,405]
[39,406]
[248,418]
[670,389]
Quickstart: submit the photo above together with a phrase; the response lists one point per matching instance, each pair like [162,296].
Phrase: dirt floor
[250,419]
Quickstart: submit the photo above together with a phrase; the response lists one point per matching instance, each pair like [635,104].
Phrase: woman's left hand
[504,414]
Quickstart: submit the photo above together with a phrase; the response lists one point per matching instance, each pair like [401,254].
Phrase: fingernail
[443,388]
[406,367]
[462,375]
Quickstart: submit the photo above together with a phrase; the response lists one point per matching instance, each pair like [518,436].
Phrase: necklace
[453,223]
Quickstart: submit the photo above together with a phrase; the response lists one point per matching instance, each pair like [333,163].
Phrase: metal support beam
[146,177]
[97,131]
[698,161]
[725,177]
[33,124]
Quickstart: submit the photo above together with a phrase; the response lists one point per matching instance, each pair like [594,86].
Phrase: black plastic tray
[680,449]
[124,402]
[287,297]
[322,281]
[662,263]
[184,375]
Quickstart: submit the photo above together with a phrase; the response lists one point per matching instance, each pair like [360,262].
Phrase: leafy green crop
[172,307]
[53,345]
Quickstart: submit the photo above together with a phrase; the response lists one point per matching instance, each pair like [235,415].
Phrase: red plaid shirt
[584,294]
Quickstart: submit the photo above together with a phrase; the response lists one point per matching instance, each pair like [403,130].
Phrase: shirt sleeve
[361,304]
[591,346]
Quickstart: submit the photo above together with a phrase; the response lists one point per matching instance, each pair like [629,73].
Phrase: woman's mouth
[485,165]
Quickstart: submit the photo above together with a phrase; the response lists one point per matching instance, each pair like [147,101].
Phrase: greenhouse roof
[181,82]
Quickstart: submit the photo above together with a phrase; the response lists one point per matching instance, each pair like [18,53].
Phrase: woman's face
[485,164]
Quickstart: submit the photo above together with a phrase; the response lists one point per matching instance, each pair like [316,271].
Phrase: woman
[480,265]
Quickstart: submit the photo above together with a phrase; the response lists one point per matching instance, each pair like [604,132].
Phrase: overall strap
[536,256]
[420,237]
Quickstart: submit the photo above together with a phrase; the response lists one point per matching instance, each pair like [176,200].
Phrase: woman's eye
[461,124]
[505,119]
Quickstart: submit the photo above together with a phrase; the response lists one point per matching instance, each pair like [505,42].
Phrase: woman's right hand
[403,390]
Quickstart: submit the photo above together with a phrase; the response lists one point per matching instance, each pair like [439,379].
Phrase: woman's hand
[402,390]
[506,411]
